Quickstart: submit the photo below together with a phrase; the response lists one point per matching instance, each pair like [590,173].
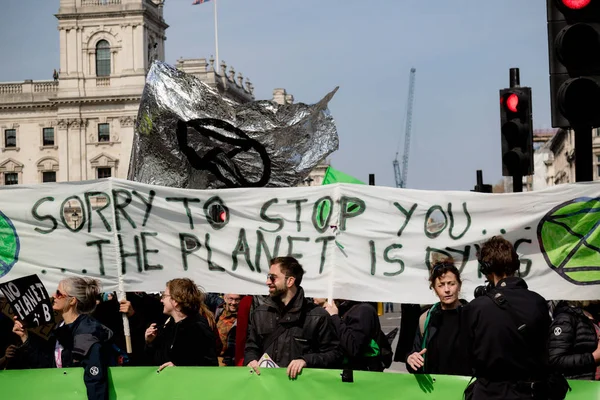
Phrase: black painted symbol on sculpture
[218,161]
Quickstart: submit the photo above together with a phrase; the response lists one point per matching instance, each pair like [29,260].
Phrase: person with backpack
[293,331]
[438,348]
[79,340]
[506,329]
[357,325]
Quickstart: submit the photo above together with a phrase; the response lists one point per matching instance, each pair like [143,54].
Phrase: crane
[401,176]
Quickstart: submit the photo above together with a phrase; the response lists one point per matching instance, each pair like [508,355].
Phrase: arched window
[103,58]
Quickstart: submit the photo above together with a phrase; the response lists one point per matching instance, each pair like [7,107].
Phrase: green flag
[335,176]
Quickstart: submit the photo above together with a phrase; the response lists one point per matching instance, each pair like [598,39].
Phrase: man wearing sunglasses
[293,331]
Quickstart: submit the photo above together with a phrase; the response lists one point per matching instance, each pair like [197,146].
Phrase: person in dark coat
[293,331]
[358,328]
[505,330]
[573,345]
[437,347]
[186,339]
[141,309]
[79,340]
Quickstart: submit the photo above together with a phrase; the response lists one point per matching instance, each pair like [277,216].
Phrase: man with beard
[293,331]
[226,317]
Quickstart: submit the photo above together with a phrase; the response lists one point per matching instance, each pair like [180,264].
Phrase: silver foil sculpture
[188,136]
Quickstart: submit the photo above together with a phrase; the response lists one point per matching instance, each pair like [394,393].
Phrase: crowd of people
[507,337]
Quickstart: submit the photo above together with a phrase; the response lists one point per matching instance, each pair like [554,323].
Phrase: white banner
[355,242]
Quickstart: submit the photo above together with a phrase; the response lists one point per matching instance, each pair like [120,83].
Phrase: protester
[79,340]
[504,330]
[438,348]
[141,310]
[186,339]
[226,317]
[358,328]
[293,331]
[574,341]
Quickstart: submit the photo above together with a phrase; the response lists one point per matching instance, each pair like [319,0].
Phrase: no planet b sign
[29,300]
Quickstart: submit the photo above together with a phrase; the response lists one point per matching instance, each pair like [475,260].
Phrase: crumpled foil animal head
[189,136]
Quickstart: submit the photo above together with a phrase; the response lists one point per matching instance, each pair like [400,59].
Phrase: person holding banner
[293,331]
[79,340]
[186,339]
[437,348]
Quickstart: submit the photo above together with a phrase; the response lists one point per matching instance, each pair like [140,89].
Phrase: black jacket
[356,326]
[571,342]
[307,334]
[86,343]
[500,354]
[447,358]
[189,342]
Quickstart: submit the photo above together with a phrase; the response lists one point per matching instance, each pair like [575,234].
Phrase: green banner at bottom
[238,382]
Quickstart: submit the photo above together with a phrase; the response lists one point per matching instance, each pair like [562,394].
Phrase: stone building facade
[79,126]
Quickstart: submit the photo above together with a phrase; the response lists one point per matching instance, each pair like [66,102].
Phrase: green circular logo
[569,237]
[9,245]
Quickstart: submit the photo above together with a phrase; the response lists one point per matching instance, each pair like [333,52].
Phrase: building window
[10,138]
[48,136]
[103,58]
[598,165]
[11,178]
[49,176]
[104,173]
[103,132]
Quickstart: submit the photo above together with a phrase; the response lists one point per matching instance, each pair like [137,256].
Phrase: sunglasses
[273,277]
[59,295]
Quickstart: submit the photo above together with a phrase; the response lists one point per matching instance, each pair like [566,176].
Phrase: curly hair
[185,292]
[500,254]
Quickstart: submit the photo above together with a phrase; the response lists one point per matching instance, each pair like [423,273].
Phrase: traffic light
[517,131]
[574,52]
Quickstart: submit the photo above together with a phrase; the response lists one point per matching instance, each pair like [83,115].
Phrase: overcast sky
[462,51]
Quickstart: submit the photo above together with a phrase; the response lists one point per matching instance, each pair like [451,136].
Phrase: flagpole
[217,39]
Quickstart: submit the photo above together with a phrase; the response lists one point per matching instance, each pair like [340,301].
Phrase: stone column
[64,67]
[63,150]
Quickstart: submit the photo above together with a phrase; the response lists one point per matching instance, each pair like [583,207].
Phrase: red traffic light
[512,102]
[576,4]
[222,216]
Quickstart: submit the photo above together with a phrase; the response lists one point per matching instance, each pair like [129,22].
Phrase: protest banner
[29,300]
[206,382]
[355,242]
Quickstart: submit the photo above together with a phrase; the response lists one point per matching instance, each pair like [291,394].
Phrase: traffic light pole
[517,183]
[584,158]
[515,81]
